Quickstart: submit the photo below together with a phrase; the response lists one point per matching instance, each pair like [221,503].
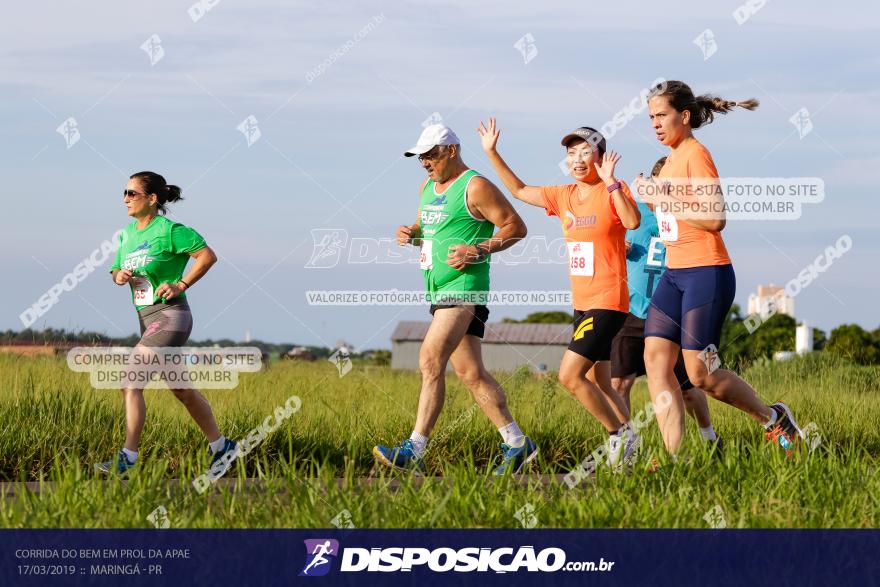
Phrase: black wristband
[183,282]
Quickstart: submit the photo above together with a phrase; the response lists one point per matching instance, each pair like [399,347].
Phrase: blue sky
[339,139]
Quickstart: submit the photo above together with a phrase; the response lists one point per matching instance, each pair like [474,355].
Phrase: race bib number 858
[580,259]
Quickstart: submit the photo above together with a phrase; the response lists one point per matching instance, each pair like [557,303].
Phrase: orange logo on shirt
[571,221]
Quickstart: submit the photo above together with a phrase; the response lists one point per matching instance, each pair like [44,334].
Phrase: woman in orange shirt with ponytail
[694,295]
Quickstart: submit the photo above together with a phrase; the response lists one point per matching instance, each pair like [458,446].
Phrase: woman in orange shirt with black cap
[596,211]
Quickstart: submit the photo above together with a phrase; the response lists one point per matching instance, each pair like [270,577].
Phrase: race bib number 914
[668,226]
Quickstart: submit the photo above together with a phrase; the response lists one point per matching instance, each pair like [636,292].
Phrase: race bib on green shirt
[155,255]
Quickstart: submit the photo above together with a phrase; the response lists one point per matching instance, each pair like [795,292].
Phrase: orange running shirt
[594,237]
[686,245]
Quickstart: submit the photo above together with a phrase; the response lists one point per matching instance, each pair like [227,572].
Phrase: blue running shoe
[230,451]
[120,465]
[513,459]
[399,457]
[785,432]
[229,447]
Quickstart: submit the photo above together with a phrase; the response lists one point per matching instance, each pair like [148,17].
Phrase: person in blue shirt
[645,264]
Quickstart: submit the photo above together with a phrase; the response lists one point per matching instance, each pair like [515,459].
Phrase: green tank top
[445,221]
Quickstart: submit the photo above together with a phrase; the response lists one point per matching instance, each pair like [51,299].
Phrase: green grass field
[54,426]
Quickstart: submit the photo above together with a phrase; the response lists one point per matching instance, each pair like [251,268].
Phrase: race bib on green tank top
[426,260]
[444,222]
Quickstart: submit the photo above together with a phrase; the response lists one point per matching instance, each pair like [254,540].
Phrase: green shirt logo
[155,255]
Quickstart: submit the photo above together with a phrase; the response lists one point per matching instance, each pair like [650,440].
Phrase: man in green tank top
[445,221]
[458,213]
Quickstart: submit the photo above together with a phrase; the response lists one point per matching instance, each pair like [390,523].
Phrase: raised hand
[605,167]
[489,135]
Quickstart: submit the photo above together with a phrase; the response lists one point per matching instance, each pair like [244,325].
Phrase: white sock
[217,444]
[131,455]
[772,421]
[615,440]
[419,443]
[624,431]
[708,433]
[512,435]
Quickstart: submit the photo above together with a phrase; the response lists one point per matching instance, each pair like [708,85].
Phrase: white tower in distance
[803,339]
[770,300]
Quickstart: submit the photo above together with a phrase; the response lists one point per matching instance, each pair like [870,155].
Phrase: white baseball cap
[433,135]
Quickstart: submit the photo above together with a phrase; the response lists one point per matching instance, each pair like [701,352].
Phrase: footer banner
[429,557]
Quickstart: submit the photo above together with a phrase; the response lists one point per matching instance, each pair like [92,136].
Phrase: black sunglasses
[431,155]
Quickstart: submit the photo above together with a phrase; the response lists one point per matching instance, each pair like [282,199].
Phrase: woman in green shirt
[152,255]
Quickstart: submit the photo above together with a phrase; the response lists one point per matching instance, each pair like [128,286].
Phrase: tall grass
[54,426]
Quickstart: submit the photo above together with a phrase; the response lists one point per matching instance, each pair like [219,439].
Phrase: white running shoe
[623,449]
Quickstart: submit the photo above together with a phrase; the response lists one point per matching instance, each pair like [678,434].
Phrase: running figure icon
[320,550]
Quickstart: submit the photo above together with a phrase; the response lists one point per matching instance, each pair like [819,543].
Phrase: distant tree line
[55,336]
[738,347]
[777,333]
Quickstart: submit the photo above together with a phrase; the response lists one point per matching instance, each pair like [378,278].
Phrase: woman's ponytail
[153,183]
[702,108]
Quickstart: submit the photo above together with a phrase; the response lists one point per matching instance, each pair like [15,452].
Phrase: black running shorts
[593,331]
[477,326]
[628,353]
